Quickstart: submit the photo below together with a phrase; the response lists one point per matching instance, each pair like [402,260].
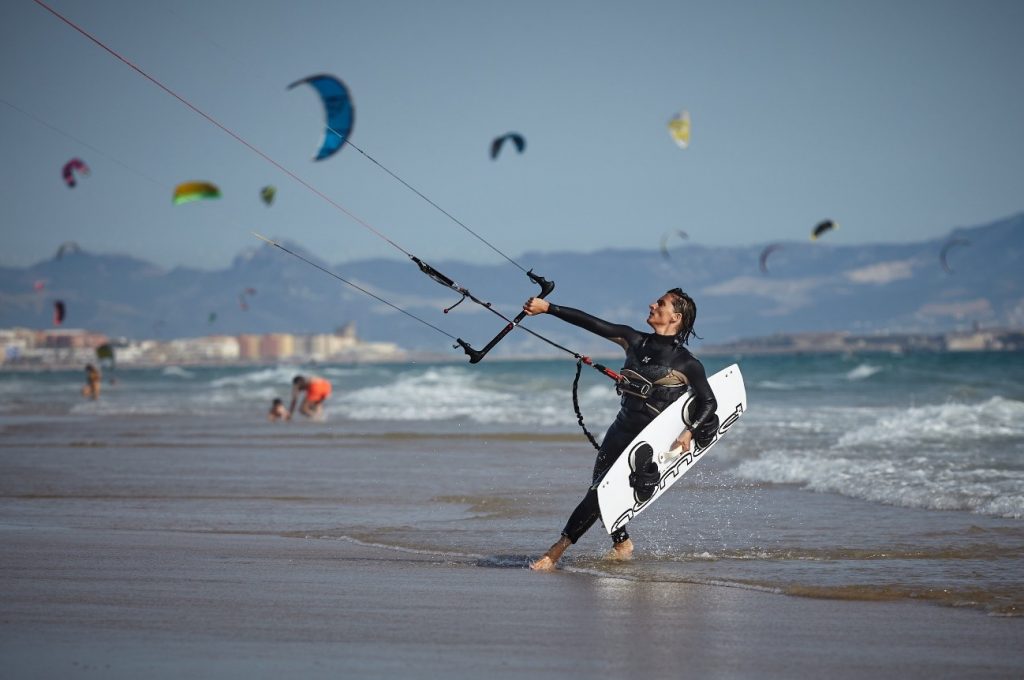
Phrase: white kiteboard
[618,500]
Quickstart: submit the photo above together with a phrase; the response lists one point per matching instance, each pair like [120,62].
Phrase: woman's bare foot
[551,557]
[622,552]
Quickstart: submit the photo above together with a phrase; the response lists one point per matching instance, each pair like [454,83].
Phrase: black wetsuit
[671,368]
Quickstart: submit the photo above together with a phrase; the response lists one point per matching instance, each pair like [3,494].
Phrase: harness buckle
[633,384]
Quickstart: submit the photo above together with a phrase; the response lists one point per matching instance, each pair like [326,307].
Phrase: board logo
[731,420]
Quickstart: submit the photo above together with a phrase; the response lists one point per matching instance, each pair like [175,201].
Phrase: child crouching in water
[277,411]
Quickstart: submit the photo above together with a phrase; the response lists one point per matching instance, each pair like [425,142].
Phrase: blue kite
[514,137]
[338,109]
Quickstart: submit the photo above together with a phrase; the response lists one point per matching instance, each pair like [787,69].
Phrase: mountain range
[806,286]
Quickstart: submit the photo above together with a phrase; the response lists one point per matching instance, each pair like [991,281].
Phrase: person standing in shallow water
[93,380]
[660,359]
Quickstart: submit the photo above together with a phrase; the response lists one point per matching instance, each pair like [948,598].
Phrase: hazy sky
[900,120]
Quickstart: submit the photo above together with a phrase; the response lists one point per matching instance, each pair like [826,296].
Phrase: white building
[210,348]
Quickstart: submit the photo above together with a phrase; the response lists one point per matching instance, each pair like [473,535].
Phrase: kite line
[474,355]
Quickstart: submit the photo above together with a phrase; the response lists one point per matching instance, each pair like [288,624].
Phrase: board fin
[671,456]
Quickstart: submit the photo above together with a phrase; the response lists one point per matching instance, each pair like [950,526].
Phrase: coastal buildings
[24,347]
[977,340]
[75,347]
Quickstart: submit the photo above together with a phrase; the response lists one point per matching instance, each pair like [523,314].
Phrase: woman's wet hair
[683,304]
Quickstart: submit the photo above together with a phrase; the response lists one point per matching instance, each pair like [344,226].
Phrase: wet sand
[173,547]
[126,604]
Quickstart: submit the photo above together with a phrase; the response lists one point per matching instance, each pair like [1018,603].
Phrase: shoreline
[122,603]
[171,531]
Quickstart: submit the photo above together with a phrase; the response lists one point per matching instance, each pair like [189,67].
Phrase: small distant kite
[69,171]
[679,128]
[952,243]
[822,227]
[666,236]
[212,317]
[195,191]
[241,298]
[67,247]
[59,311]
[337,108]
[267,194]
[763,262]
[498,142]
[39,285]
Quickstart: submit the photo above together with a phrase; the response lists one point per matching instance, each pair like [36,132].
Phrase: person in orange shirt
[315,389]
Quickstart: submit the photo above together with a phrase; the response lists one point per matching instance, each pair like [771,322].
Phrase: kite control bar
[477,355]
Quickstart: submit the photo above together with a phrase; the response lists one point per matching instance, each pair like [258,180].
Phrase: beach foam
[453,392]
[918,482]
[863,371]
[996,417]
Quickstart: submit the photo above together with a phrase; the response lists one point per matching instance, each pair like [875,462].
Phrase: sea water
[860,477]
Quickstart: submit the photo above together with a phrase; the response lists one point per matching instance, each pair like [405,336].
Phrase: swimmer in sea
[277,411]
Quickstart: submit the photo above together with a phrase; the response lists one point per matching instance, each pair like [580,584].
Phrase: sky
[898,120]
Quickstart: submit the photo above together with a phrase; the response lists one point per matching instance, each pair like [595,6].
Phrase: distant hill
[808,287]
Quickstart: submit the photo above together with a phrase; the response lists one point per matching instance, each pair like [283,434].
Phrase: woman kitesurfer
[660,369]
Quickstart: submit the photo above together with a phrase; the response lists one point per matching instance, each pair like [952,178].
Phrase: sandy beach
[110,603]
[168,547]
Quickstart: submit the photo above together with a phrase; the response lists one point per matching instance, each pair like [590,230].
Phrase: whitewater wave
[277,375]
[996,418]
[775,385]
[863,371]
[920,482]
[453,393]
[953,456]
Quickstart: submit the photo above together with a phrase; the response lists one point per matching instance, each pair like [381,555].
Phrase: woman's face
[662,315]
